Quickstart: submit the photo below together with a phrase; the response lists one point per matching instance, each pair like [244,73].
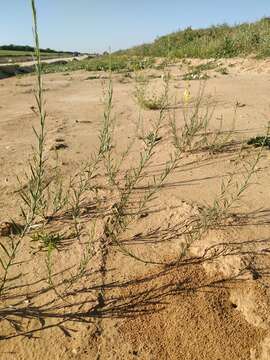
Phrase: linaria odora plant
[34,201]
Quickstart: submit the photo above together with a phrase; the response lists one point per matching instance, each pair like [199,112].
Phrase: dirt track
[23,63]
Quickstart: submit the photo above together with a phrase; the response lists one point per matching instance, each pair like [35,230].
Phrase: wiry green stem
[33,197]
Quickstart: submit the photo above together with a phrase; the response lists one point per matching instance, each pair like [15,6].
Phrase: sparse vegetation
[47,240]
[8,253]
[259,141]
[150,100]
[92,211]
[102,63]
[199,72]
[195,75]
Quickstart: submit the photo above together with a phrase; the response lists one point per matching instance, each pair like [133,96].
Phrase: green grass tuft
[259,141]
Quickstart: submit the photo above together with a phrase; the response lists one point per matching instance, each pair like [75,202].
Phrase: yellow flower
[187,94]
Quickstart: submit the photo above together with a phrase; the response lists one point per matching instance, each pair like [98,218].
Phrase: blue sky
[97,25]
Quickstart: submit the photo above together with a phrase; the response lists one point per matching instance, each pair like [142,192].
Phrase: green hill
[214,42]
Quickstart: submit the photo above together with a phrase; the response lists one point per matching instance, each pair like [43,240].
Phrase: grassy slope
[215,42]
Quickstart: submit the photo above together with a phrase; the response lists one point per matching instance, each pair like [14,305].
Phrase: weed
[152,101]
[87,255]
[196,120]
[33,197]
[199,72]
[151,137]
[218,140]
[194,75]
[231,191]
[58,195]
[7,258]
[259,141]
[196,134]
[47,240]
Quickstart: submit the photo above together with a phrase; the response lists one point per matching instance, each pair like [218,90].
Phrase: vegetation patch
[199,72]
[108,193]
[195,76]
[47,240]
[259,141]
[221,41]
[102,63]
[25,50]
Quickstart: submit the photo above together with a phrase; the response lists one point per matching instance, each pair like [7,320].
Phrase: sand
[213,303]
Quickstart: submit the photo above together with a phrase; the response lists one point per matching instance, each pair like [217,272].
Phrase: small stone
[8,228]
[5,228]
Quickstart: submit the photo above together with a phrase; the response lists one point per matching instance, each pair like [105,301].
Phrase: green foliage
[151,138]
[194,75]
[27,48]
[259,141]
[210,65]
[102,63]
[48,240]
[7,259]
[214,42]
[152,100]
[33,198]
[199,72]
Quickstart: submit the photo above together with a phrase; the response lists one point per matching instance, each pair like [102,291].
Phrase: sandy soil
[213,303]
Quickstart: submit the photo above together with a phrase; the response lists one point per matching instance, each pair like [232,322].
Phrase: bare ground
[213,304]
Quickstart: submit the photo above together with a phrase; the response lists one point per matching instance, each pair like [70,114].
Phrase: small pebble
[5,228]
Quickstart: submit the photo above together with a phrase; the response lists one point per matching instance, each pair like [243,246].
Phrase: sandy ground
[213,304]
